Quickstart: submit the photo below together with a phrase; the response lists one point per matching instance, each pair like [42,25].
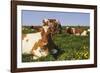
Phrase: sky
[32,17]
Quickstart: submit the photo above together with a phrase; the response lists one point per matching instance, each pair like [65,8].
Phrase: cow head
[53,24]
[45,34]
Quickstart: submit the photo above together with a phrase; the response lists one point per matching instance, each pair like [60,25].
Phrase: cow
[38,44]
[84,33]
[76,31]
[54,24]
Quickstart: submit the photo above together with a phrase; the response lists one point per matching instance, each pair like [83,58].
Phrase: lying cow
[38,43]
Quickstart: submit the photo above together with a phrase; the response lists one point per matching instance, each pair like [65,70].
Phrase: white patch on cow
[32,39]
[45,20]
[73,29]
[39,53]
[84,33]
[54,51]
[45,28]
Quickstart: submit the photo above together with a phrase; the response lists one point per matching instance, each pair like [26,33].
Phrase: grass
[75,47]
[71,47]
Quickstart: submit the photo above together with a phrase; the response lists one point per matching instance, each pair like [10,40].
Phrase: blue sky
[31,17]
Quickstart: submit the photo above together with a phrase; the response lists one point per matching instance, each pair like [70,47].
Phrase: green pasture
[71,47]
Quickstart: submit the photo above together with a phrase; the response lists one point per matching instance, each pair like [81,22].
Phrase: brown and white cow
[76,31]
[38,43]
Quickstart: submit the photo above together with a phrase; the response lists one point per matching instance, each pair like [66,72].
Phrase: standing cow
[76,31]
